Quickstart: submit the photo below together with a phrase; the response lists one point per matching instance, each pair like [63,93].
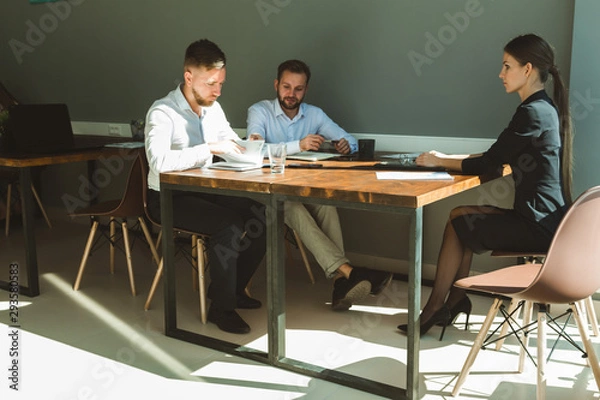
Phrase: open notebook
[251,158]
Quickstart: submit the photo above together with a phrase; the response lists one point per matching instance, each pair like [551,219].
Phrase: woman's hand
[430,159]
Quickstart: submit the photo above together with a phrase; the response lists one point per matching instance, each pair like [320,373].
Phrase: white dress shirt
[176,137]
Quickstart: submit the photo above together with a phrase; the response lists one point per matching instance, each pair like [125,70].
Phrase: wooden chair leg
[8,206]
[195,262]
[111,246]
[304,257]
[86,254]
[39,202]
[541,355]
[527,317]
[148,237]
[128,256]
[157,276]
[157,244]
[591,314]
[201,283]
[476,346]
[587,343]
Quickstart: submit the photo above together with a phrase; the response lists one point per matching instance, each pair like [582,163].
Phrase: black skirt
[507,231]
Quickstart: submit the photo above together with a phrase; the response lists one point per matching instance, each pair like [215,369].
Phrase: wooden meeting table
[342,187]
[24,163]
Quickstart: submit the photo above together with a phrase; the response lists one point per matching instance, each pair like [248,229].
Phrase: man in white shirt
[184,130]
[305,127]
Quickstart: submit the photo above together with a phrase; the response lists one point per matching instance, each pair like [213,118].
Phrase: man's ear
[187,77]
[275,84]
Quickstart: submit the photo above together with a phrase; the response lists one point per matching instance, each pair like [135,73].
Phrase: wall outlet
[114,130]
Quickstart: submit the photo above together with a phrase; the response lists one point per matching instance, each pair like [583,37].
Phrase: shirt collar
[182,102]
[279,110]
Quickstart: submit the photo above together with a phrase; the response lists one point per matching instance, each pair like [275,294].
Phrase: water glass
[277,153]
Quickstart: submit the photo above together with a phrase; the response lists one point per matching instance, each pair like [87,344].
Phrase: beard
[202,101]
[289,103]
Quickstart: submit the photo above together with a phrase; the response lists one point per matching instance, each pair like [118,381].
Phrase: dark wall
[425,67]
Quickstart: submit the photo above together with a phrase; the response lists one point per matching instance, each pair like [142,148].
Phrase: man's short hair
[204,53]
[295,66]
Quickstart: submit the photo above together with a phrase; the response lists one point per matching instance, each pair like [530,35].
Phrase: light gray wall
[109,60]
[585,94]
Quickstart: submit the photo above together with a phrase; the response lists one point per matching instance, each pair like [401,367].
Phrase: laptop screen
[40,128]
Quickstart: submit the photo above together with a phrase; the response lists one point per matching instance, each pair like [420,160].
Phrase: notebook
[44,129]
[251,158]
[233,166]
[311,156]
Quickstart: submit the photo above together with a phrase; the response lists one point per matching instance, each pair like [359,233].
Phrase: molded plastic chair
[199,255]
[131,205]
[588,312]
[568,275]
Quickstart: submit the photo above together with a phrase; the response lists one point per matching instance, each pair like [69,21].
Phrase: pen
[294,165]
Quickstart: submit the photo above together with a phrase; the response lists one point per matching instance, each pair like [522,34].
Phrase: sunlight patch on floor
[120,327]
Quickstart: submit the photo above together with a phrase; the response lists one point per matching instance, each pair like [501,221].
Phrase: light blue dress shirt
[268,120]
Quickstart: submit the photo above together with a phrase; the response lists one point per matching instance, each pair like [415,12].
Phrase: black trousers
[237,244]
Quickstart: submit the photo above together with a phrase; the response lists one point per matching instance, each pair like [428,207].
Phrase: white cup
[277,153]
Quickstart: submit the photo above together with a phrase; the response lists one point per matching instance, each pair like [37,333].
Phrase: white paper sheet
[414,175]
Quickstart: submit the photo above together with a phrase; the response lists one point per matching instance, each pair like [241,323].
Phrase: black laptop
[44,129]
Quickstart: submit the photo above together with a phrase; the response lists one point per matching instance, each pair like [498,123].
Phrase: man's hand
[225,147]
[255,136]
[342,146]
[311,142]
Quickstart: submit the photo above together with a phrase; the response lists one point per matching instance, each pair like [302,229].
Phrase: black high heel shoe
[463,306]
[440,317]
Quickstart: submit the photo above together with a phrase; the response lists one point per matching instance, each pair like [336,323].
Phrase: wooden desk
[24,163]
[348,188]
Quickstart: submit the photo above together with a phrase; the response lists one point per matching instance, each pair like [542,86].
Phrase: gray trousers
[318,226]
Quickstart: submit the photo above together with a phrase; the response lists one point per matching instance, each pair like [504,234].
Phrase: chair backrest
[571,271]
[132,203]
[145,168]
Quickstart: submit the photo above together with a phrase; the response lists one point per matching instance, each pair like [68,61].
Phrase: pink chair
[569,275]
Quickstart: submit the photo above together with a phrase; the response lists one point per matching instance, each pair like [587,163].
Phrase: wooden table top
[37,160]
[347,185]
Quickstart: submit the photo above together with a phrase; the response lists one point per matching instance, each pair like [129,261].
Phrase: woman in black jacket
[537,146]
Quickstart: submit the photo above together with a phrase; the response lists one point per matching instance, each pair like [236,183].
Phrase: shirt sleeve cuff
[293,147]
[203,154]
